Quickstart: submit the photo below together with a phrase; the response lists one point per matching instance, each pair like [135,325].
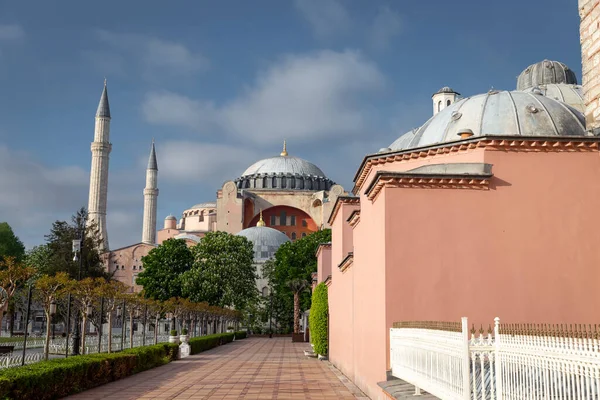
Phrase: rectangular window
[293,220]
[304,223]
[273,221]
[282,219]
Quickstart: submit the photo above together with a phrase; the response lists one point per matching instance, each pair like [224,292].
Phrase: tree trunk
[156,331]
[131,330]
[296,312]
[110,332]
[47,343]
[83,321]
[12,323]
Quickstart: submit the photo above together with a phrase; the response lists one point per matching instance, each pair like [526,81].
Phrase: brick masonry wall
[589,11]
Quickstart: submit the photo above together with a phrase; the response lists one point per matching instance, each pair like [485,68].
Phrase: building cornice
[346,262]
[489,142]
[426,181]
[354,218]
[321,246]
[338,203]
[327,281]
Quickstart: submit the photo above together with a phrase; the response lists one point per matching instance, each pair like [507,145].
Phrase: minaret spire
[260,220]
[150,199]
[284,152]
[101,148]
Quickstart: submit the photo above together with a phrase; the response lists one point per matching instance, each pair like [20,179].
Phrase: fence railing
[507,362]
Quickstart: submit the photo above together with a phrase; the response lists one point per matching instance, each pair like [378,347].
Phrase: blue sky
[220,85]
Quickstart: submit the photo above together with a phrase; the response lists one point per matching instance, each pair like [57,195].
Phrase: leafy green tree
[319,312]
[60,247]
[163,269]
[293,260]
[223,273]
[10,245]
[39,258]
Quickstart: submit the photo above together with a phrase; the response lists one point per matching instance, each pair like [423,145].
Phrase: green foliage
[62,377]
[203,343]
[173,332]
[59,244]
[241,335]
[318,319]
[39,258]
[163,269]
[184,331]
[10,244]
[293,260]
[223,273]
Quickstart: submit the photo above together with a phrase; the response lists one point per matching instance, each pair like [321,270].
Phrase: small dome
[284,172]
[446,89]
[568,94]
[187,236]
[545,72]
[266,241]
[204,205]
[171,218]
[497,113]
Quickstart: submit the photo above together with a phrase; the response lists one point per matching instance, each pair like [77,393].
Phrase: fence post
[497,362]
[466,364]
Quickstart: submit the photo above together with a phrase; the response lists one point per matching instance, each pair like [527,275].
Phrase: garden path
[251,369]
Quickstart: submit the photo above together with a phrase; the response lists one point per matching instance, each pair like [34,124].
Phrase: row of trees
[95,300]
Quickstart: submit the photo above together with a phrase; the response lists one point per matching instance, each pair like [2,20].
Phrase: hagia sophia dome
[284,172]
[265,240]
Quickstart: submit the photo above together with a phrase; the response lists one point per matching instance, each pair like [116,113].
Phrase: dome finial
[260,220]
[284,152]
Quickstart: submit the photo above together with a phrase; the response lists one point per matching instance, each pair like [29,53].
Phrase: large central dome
[284,172]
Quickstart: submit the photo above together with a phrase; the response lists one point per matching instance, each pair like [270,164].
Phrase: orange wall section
[300,215]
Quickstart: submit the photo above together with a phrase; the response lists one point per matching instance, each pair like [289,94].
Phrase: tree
[48,290]
[112,292]
[13,275]
[293,260]
[163,269]
[297,286]
[60,247]
[223,273]
[39,258]
[10,245]
[84,293]
[319,313]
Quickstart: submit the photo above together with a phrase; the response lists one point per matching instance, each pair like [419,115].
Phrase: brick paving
[253,369]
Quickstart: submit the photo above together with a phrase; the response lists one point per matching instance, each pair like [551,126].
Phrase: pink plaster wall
[165,234]
[323,262]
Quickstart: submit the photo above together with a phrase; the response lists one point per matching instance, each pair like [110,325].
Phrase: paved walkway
[253,369]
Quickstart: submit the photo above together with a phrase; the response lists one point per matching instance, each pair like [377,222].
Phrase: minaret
[589,30]
[99,172]
[150,197]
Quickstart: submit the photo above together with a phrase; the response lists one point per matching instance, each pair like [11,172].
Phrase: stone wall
[589,11]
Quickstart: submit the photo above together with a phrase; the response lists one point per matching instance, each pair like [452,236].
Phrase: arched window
[303,234]
[293,235]
[439,105]
[448,103]
[134,267]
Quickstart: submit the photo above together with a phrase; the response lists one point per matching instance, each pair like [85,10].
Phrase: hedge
[62,377]
[317,319]
[241,335]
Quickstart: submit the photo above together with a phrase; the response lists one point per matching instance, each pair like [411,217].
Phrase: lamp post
[77,251]
[271,315]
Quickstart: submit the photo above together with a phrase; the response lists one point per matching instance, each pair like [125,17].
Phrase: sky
[220,85]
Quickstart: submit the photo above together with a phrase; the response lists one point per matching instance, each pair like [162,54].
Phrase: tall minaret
[99,173]
[150,197]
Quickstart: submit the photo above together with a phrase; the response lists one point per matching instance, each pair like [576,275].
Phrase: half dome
[497,113]
[265,240]
[545,72]
[568,94]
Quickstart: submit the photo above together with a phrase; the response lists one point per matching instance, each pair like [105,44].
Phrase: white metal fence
[512,362]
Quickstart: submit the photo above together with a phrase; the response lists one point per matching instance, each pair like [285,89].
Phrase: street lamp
[77,254]
[118,311]
[52,314]
[89,310]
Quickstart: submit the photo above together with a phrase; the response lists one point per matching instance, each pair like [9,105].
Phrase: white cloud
[328,18]
[34,195]
[11,32]
[302,97]
[155,56]
[386,26]
[194,162]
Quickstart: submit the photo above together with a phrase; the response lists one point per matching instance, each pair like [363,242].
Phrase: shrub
[318,319]
[203,343]
[184,331]
[61,377]
[173,332]
[241,335]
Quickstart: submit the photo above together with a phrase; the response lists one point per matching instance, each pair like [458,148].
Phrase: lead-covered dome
[284,172]
[569,94]
[265,241]
[545,72]
[497,113]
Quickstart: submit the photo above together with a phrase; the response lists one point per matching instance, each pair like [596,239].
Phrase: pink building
[489,209]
